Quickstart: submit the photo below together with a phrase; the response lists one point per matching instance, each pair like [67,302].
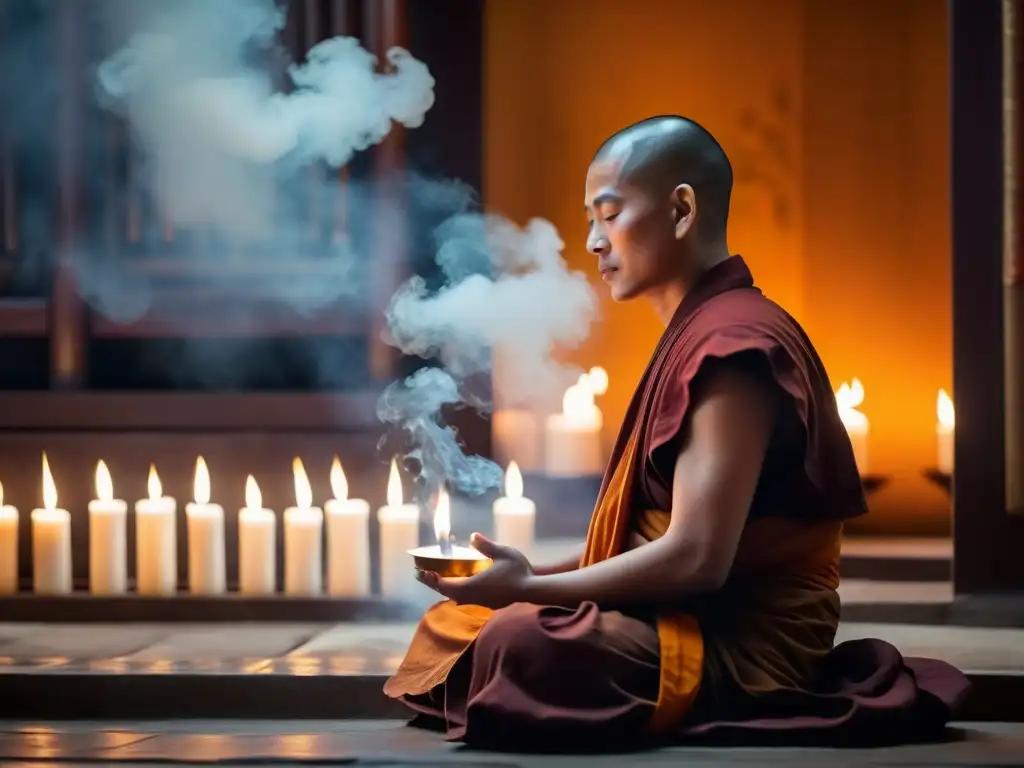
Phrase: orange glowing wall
[835,116]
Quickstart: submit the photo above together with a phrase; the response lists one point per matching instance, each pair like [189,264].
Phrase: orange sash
[679,635]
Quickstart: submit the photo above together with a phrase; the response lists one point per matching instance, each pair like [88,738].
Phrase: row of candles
[347,538]
[850,396]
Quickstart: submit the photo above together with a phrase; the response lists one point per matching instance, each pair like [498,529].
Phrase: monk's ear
[684,209]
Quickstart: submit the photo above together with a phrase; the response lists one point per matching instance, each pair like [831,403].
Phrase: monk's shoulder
[733,337]
[743,307]
[737,320]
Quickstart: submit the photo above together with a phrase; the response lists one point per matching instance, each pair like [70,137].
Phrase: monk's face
[632,231]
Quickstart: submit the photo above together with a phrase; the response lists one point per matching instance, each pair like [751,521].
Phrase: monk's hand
[502,584]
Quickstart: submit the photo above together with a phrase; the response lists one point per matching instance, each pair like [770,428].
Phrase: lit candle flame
[394,486]
[596,380]
[49,489]
[848,397]
[153,484]
[513,481]
[443,518]
[303,491]
[944,409]
[201,484]
[104,483]
[339,483]
[253,497]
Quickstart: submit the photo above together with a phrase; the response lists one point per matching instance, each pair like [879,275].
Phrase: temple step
[43,694]
[897,559]
[40,694]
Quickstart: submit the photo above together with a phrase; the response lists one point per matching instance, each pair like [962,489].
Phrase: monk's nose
[598,244]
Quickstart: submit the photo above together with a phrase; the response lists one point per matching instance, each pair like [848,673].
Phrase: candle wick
[446,546]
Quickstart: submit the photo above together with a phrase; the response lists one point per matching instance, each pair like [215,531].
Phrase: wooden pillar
[67,310]
[1013,268]
[988,542]
[386,26]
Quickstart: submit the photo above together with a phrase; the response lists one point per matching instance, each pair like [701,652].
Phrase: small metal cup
[448,567]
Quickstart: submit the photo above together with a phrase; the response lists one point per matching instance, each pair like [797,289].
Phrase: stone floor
[390,743]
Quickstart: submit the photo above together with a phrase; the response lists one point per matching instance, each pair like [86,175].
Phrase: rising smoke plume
[228,132]
[506,288]
[226,152]
[211,120]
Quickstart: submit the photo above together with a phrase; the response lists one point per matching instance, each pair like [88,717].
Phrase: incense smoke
[240,148]
[236,154]
[506,288]
[212,122]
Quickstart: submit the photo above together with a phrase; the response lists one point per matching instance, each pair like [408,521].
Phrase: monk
[704,601]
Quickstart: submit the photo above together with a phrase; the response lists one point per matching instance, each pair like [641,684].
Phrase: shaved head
[661,153]
[657,204]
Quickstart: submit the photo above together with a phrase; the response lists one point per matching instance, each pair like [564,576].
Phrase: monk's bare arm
[571,563]
[716,474]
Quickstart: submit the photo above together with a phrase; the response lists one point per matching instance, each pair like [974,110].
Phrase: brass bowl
[428,559]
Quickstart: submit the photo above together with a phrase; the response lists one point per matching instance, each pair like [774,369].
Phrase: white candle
[156,541]
[514,514]
[572,444]
[207,573]
[516,433]
[303,539]
[848,397]
[51,542]
[348,539]
[945,429]
[108,538]
[399,532]
[257,544]
[8,547]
